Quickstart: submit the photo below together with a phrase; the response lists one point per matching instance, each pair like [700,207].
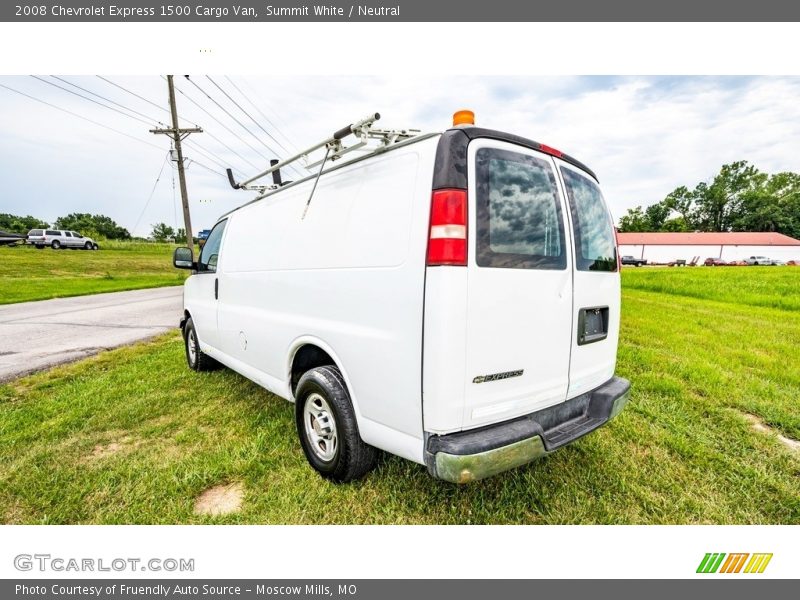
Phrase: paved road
[39,335]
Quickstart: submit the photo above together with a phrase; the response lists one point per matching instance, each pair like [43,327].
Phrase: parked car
[714,262]
[632,260]
[470,325]
[11,239]
[60,238]
[762,260]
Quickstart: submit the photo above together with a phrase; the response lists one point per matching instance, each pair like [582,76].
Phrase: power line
[227,112]
[281,146]
[208,154]
[260,98]
[206,167]
[266,118]
[74,114]
[124,89]
[90,100]
[165,110]
[228,129]
[153,191]
[104,126]
[174,197]
[213,137]
[106,99]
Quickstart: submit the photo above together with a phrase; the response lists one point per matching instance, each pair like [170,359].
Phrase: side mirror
[182,258]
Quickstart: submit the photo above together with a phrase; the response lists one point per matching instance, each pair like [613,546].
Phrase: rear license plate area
[592,324]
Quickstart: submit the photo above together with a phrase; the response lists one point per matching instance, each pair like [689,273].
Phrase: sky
[643,136]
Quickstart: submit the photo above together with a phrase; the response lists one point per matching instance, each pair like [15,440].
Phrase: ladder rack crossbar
[364,131]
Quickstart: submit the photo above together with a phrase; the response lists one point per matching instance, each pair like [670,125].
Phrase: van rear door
[519,302]
[596,282]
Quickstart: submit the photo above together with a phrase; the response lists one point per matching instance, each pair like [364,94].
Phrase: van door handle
[216,289]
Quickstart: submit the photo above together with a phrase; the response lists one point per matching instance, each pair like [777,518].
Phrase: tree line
[94,226]
[738,198]
[99,226]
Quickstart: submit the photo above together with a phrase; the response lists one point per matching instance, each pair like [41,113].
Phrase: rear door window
[519,223]
[210,253]
[595,246]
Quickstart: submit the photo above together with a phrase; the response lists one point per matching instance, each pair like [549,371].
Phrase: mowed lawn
[132,436]
[30,274]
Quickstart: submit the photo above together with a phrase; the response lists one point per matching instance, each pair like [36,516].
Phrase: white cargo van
[452,298]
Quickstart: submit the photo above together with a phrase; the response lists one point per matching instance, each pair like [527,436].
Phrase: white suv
[453,298]
[60,238]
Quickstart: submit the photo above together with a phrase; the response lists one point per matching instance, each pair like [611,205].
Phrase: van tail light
[447,243]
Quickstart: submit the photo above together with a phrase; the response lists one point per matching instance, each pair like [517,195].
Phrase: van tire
[87,246]
[325,390]
[196,358]
[55,245]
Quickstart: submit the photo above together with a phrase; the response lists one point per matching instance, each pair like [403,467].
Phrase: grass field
[31,274]
[97,442]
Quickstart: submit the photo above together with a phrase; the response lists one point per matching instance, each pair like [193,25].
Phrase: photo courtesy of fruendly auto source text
[399,299]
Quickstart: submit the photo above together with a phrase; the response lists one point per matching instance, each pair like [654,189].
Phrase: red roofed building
[728,246]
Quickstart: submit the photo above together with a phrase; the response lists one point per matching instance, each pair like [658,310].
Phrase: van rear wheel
[196,358]
[327,428]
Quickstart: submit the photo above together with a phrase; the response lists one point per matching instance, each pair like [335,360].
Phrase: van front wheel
[327,428]
[196,358]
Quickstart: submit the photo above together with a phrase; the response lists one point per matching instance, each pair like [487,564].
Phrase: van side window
[519,214]
[595,245]
[51,232]
[210,253]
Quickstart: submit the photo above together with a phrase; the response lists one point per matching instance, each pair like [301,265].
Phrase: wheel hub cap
[320,428]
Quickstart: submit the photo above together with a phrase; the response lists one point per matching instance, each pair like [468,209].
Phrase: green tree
[162,232]
[677,224]
[681,201]
[18,224]
[773,206]
[633,220]
[656,215]
[739,198]
[717,204]
[96,225]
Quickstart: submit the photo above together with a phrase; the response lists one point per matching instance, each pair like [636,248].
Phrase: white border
[403,48]
[374,552]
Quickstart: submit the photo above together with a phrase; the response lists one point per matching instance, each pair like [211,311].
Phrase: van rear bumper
[471,455]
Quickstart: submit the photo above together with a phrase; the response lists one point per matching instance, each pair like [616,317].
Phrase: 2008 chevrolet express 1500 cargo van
[452,298]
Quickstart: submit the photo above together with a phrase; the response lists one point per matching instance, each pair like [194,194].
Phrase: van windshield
[596,249]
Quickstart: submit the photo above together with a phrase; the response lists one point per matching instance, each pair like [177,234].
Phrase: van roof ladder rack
[363,129]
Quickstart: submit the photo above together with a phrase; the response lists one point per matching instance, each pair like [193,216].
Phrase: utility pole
[177,134]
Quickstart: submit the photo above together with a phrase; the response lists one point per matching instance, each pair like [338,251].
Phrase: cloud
[643,136]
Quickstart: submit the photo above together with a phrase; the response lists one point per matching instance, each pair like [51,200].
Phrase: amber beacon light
[463,117]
